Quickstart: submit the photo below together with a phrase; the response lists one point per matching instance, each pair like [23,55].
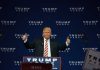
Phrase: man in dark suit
[45,46]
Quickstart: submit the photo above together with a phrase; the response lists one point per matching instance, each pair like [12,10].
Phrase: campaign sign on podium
[55,61]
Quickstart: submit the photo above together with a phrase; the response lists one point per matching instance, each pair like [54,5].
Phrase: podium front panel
[55,61]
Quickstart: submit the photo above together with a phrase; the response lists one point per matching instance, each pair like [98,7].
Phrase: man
[45,47]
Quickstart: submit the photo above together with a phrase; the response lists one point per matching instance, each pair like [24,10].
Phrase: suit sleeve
[29,46]
[62,47]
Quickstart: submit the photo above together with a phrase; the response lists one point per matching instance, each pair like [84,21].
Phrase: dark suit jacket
[38,46]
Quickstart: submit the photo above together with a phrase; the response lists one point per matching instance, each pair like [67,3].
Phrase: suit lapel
[42,45]
[51,48]
[51,44]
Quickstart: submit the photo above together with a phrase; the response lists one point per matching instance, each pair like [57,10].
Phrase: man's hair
[47,27]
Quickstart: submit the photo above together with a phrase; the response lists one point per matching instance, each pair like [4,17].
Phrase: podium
[36,66]
[41,63]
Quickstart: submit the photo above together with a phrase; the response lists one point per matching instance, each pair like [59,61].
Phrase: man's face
[47,33]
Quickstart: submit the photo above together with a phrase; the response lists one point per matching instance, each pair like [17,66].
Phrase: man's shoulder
[42,39]
[54,40]
[38,39]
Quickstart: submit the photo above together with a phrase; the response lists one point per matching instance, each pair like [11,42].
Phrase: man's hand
[68,41]
[24,37]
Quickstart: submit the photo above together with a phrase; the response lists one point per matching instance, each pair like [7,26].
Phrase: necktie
[46,49]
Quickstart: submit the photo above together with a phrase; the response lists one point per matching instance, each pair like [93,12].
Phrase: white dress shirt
[49,49]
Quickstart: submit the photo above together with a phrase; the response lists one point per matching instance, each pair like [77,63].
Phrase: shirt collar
[47,40]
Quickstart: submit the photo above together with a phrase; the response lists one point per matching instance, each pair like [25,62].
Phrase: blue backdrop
[78,19]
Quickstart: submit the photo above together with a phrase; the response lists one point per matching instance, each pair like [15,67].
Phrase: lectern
[36,66]
[41,63]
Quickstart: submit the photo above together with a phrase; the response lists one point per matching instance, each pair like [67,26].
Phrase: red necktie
[46,49]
